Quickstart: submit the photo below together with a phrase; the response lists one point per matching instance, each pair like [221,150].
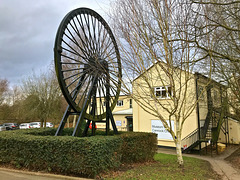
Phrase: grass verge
[163,167]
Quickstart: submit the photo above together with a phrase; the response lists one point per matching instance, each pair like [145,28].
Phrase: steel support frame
[92,94]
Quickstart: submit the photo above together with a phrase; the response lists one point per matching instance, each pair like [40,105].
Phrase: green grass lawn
[165,167]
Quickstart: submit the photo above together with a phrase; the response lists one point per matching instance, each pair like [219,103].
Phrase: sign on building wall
[118,123]
[158,128]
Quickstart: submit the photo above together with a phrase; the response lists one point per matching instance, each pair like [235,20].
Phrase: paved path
[11,174]
[218,163]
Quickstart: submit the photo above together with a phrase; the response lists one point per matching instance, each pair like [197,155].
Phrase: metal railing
[190,139]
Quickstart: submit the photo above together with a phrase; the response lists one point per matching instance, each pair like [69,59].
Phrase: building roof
[193,73]
[124,112]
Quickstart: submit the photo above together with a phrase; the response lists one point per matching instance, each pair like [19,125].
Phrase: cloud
[27,33]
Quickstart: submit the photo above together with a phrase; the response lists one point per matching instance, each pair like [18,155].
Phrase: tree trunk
[45,123]
[179,151]
[74,120]
[42,123]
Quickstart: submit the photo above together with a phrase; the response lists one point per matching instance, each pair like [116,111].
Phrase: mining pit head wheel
[87,63]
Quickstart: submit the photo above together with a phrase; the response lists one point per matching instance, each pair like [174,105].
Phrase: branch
[215,3]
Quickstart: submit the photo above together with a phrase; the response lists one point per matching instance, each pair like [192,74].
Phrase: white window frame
[158,92]
[120,103]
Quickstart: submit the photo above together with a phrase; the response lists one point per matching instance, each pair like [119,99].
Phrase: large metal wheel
[87,63]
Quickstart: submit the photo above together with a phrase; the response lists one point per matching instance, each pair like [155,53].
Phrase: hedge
[39,150]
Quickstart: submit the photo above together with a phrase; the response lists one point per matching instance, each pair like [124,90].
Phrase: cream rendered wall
[142,123]
[190,124]
[118,117]
[234,132]
[126,103]
[123,121]
[121,118]
[142,119]
[203,108]
[136,119]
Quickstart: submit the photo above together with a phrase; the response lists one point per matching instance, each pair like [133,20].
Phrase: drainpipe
[198,116]
[225,92]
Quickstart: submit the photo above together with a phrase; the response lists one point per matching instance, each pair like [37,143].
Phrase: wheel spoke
[103,89]
[94,31]
[86,58]
[111,52]
[73,82]
[81,23]
[73,52]
[72,76]
[101,105]
[71,63]
[68,70]
[99,35]
[75,41]
[83,95]
[103,40]
[78,87]
[104,49]
[88,87]
[89,32]
[79,35]
[70,58]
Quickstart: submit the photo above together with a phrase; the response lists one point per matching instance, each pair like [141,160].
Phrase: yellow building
[204,113]
[204,99]
[122,114]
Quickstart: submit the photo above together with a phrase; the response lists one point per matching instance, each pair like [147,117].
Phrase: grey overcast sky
[27,33]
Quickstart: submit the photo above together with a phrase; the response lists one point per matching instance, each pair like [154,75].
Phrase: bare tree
[15,101]
[3,89]
[42,96]
[155,39]
[220,21]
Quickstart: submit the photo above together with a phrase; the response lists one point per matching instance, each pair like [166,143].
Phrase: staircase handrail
[209,114]
[190,139]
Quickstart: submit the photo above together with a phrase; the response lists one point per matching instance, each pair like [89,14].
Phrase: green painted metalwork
[88,67]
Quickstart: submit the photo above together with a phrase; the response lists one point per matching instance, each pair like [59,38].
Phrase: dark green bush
[38,149]
[138,147]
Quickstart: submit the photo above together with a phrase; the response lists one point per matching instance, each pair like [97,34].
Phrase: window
[120,103]
[163,92]
[130,103]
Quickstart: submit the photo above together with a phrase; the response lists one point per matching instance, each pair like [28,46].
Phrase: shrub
[38,149]
[138,147]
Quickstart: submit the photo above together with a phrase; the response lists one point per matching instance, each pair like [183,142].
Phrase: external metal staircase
[208,134]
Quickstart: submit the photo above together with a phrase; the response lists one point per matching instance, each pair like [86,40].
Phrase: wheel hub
[96,64]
